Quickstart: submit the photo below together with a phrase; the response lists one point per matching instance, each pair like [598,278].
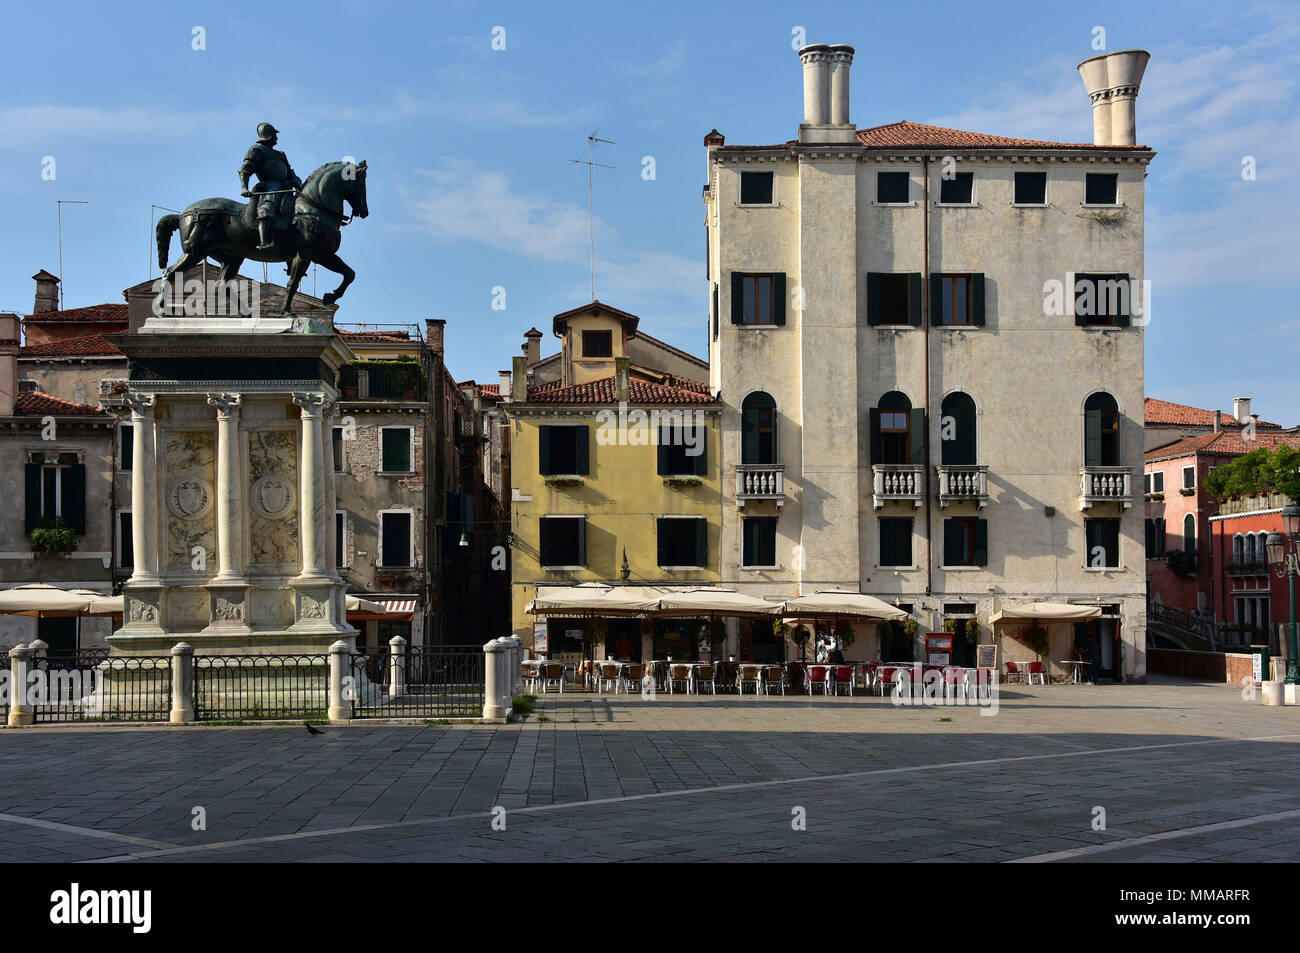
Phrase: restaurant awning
[38,598]
[841,602]
[101,604]
[1046,612]
[710,600]
[593,599]
[359,604]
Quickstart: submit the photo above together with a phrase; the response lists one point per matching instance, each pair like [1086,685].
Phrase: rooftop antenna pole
[592,141]
[61,203]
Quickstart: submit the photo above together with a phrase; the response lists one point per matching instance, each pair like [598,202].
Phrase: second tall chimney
[1112,81]
[826,94]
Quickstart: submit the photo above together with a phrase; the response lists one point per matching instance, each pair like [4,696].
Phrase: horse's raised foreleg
[297,268]
[337,265]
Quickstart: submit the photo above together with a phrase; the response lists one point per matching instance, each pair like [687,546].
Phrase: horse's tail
[166,226]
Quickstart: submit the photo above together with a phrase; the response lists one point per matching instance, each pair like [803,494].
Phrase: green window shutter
[665,434]
[737,297]
[951,543]
[1111,542]
[1126,303]
[1160,536]
[748,436]
[916,418]
[874,416]
[701,543]
[1089,540]
[914,299]
[127,436]
[701,461]
[977,300]
[747,542]
[1080,320]
[32,479]
[544,445]
[888,542]
[936,298]
[582,541]
[904,540]
[873,298]
[661,538]
[73,502]
[584,458]
[396,450]
[778,298]
[1092,438]
[981,542]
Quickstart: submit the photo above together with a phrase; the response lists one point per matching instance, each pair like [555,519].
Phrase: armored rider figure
[274,175]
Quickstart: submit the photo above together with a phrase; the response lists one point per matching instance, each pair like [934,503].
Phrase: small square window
[1101,188]
[756,188]
[563,540]
[894,302]
[597,343]
[1102,536]
[959,190]
[396,449]
[682,541]
[1189,478]
[895,542]
[395,550]
[893,188]
[1031,188]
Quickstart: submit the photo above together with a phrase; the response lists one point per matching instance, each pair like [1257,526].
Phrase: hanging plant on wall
[53,538]
[972,632]
[910,627]
[950,625]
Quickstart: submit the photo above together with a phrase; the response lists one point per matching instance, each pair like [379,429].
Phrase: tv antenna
[61,203]
[591,165]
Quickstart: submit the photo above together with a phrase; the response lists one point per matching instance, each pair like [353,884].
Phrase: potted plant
[53,537]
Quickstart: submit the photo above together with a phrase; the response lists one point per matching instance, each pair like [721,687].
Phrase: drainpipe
[925,330]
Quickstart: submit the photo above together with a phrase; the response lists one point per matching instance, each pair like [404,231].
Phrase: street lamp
[1284,557]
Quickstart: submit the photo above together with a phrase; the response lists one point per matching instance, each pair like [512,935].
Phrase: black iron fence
[94,686]
[444,681]
[253,687]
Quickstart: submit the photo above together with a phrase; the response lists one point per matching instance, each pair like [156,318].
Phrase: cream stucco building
[923,396]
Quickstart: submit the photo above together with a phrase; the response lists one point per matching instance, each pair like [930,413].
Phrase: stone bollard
[182,684]
[396,666]
[340,701]
[496,702]
[38,648]
[20,712]
[516,663]
[1271,693]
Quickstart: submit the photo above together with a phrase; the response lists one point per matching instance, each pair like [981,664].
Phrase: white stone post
[38,648]
[144,490]
[230,511]
[496,704]
[311,505]
[340,708]
[20,712]
[396,666]
[182,712]
[516,663]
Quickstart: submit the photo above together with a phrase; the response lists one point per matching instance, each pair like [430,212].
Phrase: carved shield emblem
[272,497]
[189,497]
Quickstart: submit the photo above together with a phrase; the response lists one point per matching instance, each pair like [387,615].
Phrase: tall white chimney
[1112,81]
[9,325]
[816,60]
[1241,409]
[826,94]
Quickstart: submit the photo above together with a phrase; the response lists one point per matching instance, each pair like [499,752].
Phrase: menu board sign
[540,639]
[986,656]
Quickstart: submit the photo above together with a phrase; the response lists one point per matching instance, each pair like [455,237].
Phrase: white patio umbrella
[710,601]
[38,598]
[595,599]
[1046,612]
[101,604]
[843,603]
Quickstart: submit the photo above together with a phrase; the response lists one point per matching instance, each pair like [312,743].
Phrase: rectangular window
[1101,188]
[126,541]
[1158,481]
[55,491]
[893,188]
[340,538]
[683,541]
[126,452]
[965,542]
[715,311]
[756,188]
[1101,300]
[340,461]
[1031,188]
[682,450]
[1189,478]
[395,545]
[893,299]
[895,542]
[563,450]
[758,548]
[597,343]
[1102,536]
[959,190]
[756,299]
[395,449]
[1155,533]
[562,541]
[958,300]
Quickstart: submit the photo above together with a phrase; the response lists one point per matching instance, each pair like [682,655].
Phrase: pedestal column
[144,491]
[230,515]
[311,488]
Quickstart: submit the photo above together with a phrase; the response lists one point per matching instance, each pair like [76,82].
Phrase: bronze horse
[226,231]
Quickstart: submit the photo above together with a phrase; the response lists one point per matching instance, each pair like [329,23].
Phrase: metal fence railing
[445,681]
[251,687]
[94,686]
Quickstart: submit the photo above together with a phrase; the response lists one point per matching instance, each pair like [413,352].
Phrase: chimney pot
[1112,81]
[434,332]
[503,386]
[533,346]
[518,381]
[1241,409]
[622,385]
[9,324]
[47,293]
[1218,420]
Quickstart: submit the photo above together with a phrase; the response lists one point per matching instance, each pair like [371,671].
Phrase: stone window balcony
[963,484]
[896,482]
[1105,485]
[760,481]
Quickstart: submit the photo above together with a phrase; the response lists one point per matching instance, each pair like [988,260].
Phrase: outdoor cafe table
[1076,664]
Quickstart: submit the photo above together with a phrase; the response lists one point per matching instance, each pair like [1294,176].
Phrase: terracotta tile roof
[36,403]
[1224,443]
[95,313]
[489,390]
[677,391]
[1155,411]
[904,133]
[90,345]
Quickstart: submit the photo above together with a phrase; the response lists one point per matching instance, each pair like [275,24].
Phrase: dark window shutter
[715,311]
[1122,319]
[1080,320]
[977,300]
[1160,536]
[661,538]
[544,455]
[888,542]
[936,298]
[914,299]
[701,543]
[702,441]
[874,427]
[904,540]
[747,542]
[873,298]
[1092,438]
[981,542]
[73,503]
[1111,542]
[582,540]
[951,543]
[737,297]
[583,455]
[778,298]
[665,434]
[1089,540]
[917,435]
[32,478]
[127,437]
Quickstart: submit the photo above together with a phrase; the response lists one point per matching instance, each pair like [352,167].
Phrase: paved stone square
[1184,772]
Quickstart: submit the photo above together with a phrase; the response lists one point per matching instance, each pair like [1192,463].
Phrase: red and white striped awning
[395,609]
[395,606]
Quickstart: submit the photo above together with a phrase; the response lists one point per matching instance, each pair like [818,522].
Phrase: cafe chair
[553,674]
[528,671]
[955,680]
[819,675]
[632,677]
[679,674]
[1037,668]
[1014,668]
[840,676]
[886,676]
[773,677]
[706,675]
[608,674]
[749,673]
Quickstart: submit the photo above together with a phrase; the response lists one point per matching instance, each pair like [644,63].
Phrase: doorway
[60,634]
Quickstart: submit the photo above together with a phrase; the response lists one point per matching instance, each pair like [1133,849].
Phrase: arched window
[957,430]
[1101,431]
[1238,549]
[897,431]
[1261,554]
[1189,533]
[758,429]
[1248,549]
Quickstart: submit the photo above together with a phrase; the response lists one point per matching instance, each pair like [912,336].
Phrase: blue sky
[470,186]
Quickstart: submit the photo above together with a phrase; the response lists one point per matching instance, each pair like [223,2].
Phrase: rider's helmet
[265,131]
